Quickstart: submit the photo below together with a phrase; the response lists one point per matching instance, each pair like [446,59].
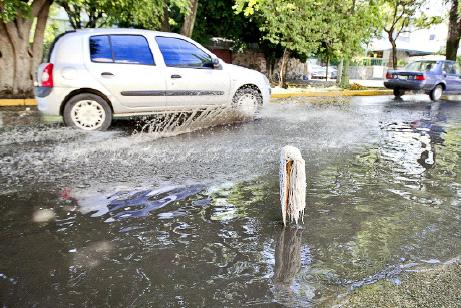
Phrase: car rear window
[177,52]
[128,49]
[422,66]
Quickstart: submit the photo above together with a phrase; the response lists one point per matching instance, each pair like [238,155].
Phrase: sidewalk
[373,83]
[11,102]
[375,88]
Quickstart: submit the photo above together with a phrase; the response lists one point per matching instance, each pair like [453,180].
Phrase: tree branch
[37,6]
[39,34]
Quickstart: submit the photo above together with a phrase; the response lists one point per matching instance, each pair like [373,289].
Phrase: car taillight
[389,76]
[46,80]
[420,77]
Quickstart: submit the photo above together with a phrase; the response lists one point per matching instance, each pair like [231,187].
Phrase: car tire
[436,93]
[248,101]
[87,111]
[398,92]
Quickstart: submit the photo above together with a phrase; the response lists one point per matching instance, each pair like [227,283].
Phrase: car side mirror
[216,63]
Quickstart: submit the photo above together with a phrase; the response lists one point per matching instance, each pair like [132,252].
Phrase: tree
[147,14]
[399,15]
[19,56]
[454,31]
[360,21]
[242,30]
[189,19]
[348,25]
[292,24]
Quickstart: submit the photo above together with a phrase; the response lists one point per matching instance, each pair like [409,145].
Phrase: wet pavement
[136,217]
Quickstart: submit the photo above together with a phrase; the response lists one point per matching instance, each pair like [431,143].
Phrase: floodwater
[134,217]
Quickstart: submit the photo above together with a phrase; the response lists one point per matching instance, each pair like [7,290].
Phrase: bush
[356,86]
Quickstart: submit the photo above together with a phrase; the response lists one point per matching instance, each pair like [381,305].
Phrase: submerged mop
[292,184]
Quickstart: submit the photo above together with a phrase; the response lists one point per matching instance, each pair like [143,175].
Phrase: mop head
[292,184]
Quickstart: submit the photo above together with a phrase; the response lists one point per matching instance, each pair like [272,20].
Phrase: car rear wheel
[436,93]
[248,101]
[398,92]
[88,112]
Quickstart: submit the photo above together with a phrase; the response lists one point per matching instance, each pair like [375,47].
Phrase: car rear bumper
[407,85]
[51,103]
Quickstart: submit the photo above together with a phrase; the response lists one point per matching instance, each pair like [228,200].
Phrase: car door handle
[175,76]
[104,74]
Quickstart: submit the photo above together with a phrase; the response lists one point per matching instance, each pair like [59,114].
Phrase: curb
[17,102]
[333,93]
[10,102]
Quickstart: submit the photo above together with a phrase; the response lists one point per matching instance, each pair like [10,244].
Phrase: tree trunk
[454,32]
[326,72]
[340,72]
[269,66]
[394,55]
[165,18]
[189,20]
[18,58]
[345,74]
[283,69]
[394,47]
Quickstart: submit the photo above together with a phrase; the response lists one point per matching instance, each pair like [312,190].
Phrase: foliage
[145,14]
[356,86]
[241,29]
[10,8]
[349,25]
[291,24]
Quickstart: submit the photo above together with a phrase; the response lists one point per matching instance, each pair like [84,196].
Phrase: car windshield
[421,66]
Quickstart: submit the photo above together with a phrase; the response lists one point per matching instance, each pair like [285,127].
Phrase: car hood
[243,73]
[240,69]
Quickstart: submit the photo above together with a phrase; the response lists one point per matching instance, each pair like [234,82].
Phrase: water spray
[292,184]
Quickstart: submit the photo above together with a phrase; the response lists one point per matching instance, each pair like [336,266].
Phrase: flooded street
[134,217]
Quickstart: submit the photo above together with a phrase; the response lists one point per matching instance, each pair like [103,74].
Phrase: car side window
[181,53]
[100,50]
[129,49]
[456,69]
[449,68]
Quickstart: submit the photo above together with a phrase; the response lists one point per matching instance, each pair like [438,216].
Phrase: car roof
[433,60]
[101,31]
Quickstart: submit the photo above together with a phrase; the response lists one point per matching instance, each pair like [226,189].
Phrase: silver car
[94,75]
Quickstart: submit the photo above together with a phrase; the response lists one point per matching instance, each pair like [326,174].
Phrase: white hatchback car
[96,74]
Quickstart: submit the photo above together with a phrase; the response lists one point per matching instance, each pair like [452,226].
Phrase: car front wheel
[248,101]
[88,112]
[436,93]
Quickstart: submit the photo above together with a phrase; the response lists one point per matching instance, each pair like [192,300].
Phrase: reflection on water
[140,203]
[290,256]
[383,198]
[411,145]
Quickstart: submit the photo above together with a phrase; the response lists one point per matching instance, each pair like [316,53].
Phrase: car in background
[320,72]
[433,77]
[93,75]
